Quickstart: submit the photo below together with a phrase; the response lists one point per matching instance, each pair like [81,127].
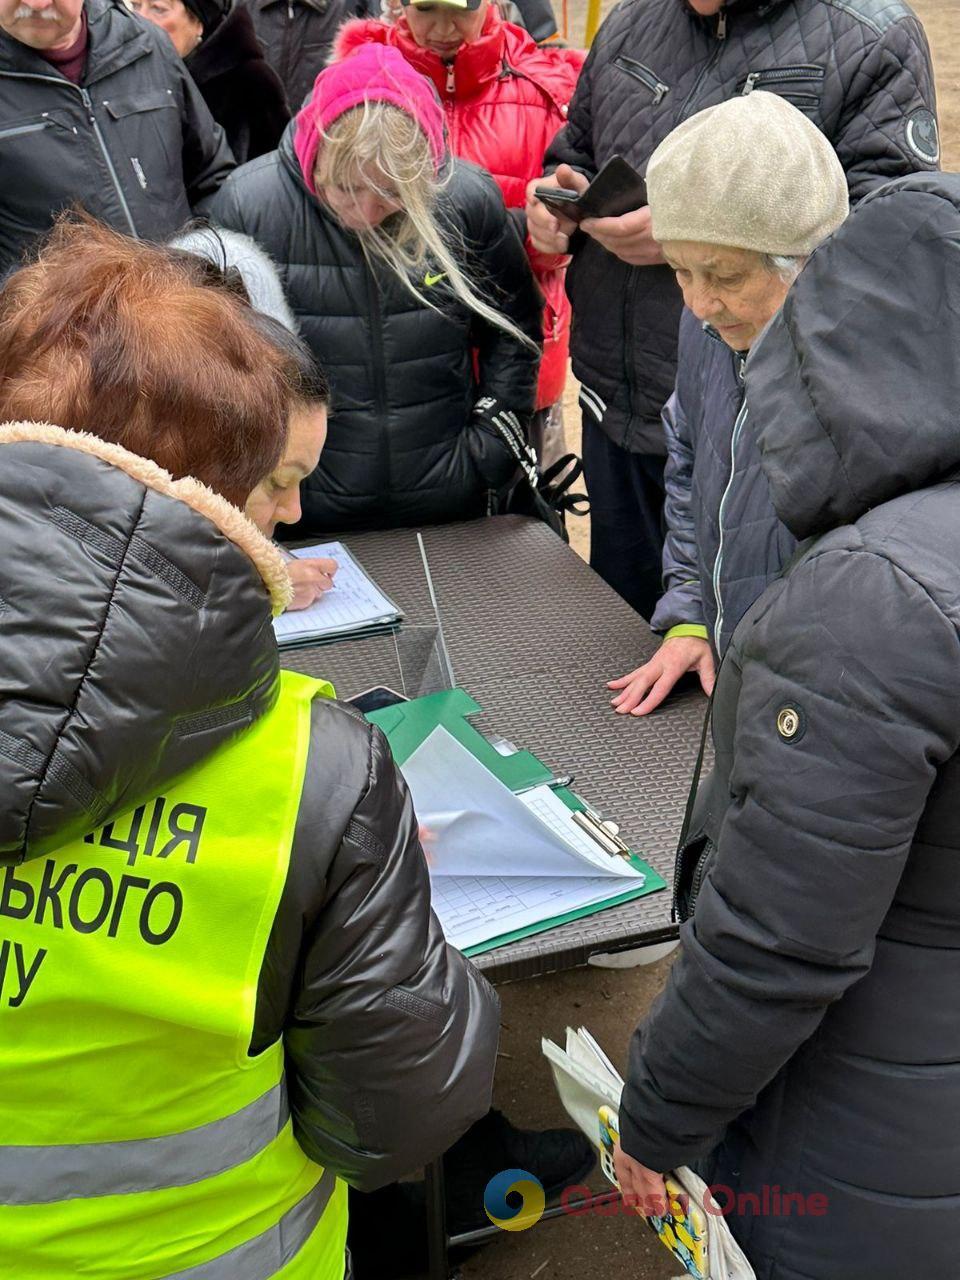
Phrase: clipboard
[407,725]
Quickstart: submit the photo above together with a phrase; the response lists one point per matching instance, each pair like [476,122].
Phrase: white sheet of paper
[474,909]
[355,601]
[480,828]
[500,862]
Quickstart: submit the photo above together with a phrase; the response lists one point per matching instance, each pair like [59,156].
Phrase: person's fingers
[656,694]
[707,673]
[637,691]
[569,178]
[621,682]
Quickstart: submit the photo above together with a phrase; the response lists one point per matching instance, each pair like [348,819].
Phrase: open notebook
[356,605]
[504,865]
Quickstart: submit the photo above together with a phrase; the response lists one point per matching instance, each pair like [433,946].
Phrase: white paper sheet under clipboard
[500,862]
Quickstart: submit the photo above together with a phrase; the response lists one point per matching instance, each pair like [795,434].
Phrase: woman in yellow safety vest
[222,992]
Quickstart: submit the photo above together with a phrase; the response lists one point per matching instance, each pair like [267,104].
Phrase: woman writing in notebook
[259,1041]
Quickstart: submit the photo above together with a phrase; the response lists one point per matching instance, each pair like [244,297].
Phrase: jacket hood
[854,386]
[135,631]
[230,44]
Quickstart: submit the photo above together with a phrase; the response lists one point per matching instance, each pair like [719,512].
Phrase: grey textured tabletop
[533,634]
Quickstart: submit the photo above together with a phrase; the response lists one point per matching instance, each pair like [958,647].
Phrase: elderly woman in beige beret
[740,196]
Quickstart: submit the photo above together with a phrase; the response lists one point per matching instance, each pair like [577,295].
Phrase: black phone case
[616,189]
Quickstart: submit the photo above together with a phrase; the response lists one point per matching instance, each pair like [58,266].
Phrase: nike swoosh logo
[429,280]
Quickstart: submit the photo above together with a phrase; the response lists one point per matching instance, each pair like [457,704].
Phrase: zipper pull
[451,80]
[88,103]
[750,83]
[289,10]
[660,93]
[722,25]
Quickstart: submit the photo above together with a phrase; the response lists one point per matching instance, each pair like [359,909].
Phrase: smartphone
[616,189]
[376,699]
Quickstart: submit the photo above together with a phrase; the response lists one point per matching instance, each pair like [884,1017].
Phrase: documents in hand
[505,865]
[355,607]
[689,1225]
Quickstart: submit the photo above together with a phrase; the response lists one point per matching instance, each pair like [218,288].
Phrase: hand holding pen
[311,577]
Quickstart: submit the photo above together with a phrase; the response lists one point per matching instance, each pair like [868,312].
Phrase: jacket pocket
[18,130]
[135,103]
[146,137]
[693,862]
[801,84]
[638,71]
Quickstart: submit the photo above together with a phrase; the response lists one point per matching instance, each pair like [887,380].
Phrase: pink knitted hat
[374,73]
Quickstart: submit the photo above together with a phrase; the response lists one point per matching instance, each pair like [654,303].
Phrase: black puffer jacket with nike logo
[404,445]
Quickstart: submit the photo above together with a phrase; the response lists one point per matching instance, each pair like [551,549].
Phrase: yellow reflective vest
[138,1138]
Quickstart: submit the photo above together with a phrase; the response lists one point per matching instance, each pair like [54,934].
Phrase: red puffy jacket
[504,98]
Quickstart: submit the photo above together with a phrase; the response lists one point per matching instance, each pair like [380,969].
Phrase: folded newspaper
[589,1086]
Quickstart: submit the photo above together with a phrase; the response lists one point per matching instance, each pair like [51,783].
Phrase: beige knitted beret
[751,173]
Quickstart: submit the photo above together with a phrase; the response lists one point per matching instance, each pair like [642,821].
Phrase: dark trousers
[626,517]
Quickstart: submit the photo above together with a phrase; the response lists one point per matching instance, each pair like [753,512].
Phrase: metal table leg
[437,1243]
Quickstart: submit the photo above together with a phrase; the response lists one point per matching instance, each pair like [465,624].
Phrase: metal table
[533,635]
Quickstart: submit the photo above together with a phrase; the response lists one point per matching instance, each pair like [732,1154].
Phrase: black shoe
[558,1158]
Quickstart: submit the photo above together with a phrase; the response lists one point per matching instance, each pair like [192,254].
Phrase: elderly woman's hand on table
[310,578]
[646,687]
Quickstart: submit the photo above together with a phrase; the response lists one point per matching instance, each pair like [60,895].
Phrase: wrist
[694,630]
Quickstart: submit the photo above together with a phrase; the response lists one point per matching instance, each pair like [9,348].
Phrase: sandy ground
[611,1001]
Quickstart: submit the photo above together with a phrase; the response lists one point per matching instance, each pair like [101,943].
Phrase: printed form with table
[511,849]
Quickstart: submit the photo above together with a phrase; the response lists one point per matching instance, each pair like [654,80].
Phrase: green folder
[408,724]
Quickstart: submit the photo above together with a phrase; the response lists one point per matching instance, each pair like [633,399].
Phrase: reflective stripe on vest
[140,1141]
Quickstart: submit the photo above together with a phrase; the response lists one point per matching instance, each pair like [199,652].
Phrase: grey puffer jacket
[860,69]
[724,543]
[404,446]
[809,1038]
[390,1052]
[134,143]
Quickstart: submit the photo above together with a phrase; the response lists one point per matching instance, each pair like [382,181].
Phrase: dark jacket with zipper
[134,143]
[298,35]
[390,1049]
[403,445]
[860,69]
[724,543]
[240,87]
[809,1036]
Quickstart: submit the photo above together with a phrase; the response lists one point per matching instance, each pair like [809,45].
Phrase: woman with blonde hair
[399,264]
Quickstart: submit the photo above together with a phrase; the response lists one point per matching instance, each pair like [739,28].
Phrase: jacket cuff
[688,629]
[661,1157]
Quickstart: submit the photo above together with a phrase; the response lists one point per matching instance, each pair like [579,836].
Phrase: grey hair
[787,267]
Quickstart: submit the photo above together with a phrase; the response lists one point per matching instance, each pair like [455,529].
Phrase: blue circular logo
[514,1200]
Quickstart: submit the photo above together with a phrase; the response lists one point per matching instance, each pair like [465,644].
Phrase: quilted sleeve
[888,125]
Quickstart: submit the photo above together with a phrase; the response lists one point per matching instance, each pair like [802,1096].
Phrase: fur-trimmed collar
[230,520]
